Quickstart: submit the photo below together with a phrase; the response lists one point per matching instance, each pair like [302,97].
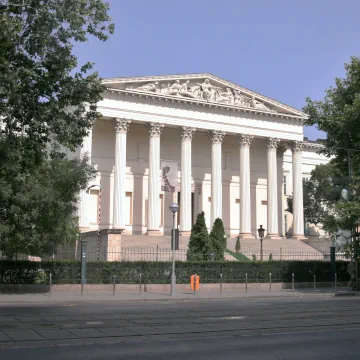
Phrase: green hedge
[69,272]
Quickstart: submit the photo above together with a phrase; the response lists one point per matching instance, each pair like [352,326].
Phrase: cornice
[199,103]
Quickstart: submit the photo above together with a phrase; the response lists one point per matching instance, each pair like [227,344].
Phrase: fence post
[50,283]
[269,281]
[333,261]
[221,283]
[83,262]
[293,281]
[114,285]
[195,284]
[246,282]
[314,282]
[140,284]
[335,280]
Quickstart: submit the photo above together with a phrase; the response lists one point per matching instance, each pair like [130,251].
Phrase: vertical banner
[169,175]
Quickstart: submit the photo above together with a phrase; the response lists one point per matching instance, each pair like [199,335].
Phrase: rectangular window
[209,199]
[285,223]
[263,202]
[128,206]
[237,201]
[285,190]
[161,204]
[94,206]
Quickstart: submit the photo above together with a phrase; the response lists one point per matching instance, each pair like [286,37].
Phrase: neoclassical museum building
[204,142]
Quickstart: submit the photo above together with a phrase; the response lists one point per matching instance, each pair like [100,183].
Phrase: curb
[169,299]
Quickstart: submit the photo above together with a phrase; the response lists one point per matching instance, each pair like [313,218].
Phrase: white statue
[186,91]
[148,87]
[174,88]
[208,90]
[226,97]
[164,90]
[240,99]
[258,105]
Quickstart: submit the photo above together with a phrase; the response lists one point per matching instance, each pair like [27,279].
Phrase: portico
[227,140]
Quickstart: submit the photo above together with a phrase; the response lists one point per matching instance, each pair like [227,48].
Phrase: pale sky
[284,49]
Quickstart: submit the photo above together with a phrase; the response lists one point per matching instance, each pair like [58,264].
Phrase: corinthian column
[185,185]
[298,208]
[272,195]
[121,127]
[245,201]
[217,138]
[154,179]
[83,196]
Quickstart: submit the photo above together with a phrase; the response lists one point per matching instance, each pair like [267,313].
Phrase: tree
[218,240]
[237,244]
[321,193]
[199,246]
[46,103]
[339,116]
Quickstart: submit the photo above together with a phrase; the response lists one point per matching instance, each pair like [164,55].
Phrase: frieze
[205,91]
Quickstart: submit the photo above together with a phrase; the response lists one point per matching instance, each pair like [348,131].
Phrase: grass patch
[239,256]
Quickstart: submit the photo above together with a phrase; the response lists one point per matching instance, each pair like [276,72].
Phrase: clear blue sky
[285,49]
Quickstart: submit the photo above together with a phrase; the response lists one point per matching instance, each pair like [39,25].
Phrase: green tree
[199,246]
[47,102]
[218,240]
[339,116]
[237,244]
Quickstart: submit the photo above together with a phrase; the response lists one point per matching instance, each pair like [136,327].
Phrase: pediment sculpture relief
[203,91]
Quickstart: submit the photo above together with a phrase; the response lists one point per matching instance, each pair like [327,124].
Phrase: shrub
[199,245]
[237,244]
[217,239]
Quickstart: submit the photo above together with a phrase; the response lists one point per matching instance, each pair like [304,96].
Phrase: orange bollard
[195,282]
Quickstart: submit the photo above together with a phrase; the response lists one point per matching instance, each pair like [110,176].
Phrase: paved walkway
[165,296]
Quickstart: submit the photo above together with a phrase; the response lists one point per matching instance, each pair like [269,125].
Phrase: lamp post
[174,209]
[261,232]
[99,214]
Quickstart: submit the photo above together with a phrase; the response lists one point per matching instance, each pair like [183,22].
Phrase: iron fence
[165,254]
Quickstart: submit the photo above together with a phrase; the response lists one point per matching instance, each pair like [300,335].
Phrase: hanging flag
[169,175]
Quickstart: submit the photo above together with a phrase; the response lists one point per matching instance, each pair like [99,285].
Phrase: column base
[246,236]
[298,237]
[273,237]
[153,232]
[185,232]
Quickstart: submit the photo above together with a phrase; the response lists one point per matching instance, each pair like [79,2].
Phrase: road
[321,328]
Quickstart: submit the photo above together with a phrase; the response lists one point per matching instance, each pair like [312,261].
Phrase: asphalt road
[318,328]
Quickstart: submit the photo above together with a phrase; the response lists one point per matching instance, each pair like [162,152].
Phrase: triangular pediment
[205,88]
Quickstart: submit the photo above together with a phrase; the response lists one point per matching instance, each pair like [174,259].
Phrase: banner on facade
[169,175]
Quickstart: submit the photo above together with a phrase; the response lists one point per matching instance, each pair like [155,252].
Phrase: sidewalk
[88,296]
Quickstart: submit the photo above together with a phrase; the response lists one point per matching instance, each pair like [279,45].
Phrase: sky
[285,49]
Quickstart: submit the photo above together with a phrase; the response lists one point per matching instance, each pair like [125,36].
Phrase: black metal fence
[163,255]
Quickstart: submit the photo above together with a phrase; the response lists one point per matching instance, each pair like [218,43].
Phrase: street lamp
[99,214]
[261,232]
[174,209]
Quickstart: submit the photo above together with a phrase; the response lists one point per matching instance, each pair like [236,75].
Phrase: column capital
[121,125]
[297,146]
[272,143]
[187,133]
[155,129]
[244,140]
[216,136]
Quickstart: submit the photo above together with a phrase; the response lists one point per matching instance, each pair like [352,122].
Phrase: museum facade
[203,142]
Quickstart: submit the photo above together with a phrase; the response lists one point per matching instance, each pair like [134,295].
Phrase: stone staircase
[282,249]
